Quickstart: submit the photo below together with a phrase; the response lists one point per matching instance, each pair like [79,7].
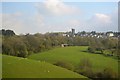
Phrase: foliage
[41,42]
[85,67]
[65,64]
[102,45]
[25,45]
[106,73]
[7,32]
[109,73]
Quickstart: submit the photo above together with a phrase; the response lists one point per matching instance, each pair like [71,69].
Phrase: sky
[58,16]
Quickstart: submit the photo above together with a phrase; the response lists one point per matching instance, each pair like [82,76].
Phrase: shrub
[65,64]
[106,73]
[85,62]
[98,75]
[109,73]
[91,50]
[85,68]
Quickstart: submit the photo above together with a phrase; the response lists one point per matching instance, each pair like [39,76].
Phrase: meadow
[15,67]
[74,55]
[42,65]
[0,66]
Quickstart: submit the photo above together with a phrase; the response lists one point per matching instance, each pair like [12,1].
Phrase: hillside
[74,55]
[0,66]
[14,67]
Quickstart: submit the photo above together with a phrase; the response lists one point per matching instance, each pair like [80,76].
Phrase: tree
[7,32]
[93,32]
[83,32]
[15,46]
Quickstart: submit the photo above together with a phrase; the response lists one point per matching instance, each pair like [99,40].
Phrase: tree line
[108,46]
[24,45]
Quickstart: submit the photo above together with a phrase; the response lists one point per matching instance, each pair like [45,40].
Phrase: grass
[74,55]
[0,65]
[14,67]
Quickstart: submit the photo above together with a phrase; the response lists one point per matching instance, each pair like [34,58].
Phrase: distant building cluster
[70,34]
[92,34]
[88,34]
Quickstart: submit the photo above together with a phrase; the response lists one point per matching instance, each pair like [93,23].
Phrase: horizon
[61,32]
[58,16]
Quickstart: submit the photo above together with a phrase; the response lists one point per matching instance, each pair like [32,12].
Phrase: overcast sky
[58,16]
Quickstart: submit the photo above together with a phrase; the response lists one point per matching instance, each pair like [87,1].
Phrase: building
[64,45]
[110,34]
[73,31]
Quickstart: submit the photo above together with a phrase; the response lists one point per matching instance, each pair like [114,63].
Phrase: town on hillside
[72,33]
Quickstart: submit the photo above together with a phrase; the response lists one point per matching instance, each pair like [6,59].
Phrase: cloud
[114,18]
[41,21]
[74,22]
[57,7]
[38,20]
[0,21]
[12,21]
[103,22]
[101,18]
[97,22]
[22,23]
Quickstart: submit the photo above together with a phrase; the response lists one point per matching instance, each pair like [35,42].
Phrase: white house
[110,34]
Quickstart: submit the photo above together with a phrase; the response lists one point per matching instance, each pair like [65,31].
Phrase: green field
[14,67]
[0,65]
[74,55]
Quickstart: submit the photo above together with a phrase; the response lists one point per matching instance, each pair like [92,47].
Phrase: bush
[85,68]
[109,73]
[98,75]
[106,73]
[65,64]
[91,50]
[85,62]
[86,71]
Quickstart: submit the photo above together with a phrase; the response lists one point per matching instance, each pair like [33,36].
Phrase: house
[64,45]
[64,34]
[110,34]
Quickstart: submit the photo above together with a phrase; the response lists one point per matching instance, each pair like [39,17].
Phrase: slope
[74,55]
[14,67]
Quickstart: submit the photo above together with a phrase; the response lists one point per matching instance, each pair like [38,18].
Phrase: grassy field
[74,55]
[14,67]
[0,65]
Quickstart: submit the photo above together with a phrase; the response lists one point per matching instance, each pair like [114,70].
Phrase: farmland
[59,39]
[74,55]
[40,56]
[14,67]
[0,66]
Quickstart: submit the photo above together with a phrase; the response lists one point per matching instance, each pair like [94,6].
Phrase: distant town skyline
[58,16]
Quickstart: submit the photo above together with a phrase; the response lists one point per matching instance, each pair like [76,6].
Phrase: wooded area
[24,45]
